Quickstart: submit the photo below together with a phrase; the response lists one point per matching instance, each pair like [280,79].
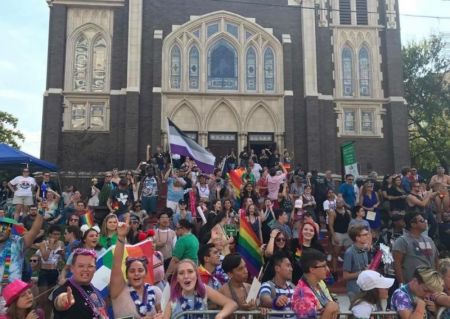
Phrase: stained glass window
[269,70]
[80,68]
[364,72]
[97,116]
[251,69]
[350,121]
[175,68]
[222,66]
[233,30]
[212,29]
[78,116]
[367,121]
[99,65]
[193,68]
[347,71]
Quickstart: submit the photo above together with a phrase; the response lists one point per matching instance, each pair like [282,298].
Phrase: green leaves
[427,91]
[8,130]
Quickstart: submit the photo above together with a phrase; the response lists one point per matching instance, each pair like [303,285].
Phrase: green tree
[8,130]
[427,92]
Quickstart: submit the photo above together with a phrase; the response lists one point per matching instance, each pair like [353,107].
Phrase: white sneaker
[329,258]
[340,259]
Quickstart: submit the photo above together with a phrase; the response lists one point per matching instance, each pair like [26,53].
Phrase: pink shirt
[273,185]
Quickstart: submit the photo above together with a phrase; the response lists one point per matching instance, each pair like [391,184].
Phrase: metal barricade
[210,314]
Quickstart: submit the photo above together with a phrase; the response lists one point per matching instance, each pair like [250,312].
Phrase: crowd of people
[386,238]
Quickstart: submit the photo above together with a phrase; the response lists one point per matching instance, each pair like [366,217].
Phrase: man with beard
[12,248]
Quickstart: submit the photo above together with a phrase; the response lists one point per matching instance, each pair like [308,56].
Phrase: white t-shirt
[363,310]
[256,171]
[23,185]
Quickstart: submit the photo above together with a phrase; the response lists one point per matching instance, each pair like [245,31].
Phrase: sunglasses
[280,239]
[108,175]
[73,220]
[34,260]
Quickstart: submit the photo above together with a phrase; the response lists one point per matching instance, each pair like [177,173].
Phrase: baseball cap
[370,279]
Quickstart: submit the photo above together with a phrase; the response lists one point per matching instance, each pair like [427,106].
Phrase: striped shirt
[274,291]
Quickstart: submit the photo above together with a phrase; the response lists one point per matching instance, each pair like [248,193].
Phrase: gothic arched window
[175,68]
[347,71]
[269,70]
[251,69]
[222,66]
[364,72]
[90,62]
[81,62]
[194,58]
[99,65]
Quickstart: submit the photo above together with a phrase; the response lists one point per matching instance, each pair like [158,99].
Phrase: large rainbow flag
[249,247]
[105,261]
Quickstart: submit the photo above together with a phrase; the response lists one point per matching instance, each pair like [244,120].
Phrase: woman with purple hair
[188,293]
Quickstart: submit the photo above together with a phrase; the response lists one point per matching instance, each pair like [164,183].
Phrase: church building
[302,75]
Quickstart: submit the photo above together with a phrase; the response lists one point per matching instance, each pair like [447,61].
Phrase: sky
[23,56]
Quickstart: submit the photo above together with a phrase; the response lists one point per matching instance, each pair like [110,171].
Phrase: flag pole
[168,139]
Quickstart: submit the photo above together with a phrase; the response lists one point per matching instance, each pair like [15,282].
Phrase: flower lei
[148,300]
[198,305]
[5,258]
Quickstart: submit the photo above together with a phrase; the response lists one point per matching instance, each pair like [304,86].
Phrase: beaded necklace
[148,300]
[88,300]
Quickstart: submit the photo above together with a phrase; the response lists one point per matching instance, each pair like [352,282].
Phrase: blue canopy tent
[11,158]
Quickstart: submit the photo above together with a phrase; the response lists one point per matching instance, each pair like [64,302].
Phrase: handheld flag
[182,144]
[105,261]
[249,247]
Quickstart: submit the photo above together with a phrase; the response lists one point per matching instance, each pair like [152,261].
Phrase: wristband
[120,240]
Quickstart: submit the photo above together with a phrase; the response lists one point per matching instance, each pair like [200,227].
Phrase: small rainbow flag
[88,218]
[18,229]
[249,247]
[105,261]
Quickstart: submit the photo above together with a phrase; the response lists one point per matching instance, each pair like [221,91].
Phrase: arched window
[175,68]
[364,72]
[80,65]
[347,71]
[269,70]
[99,65]
[251,69]
[193,67]
[222,66]
[90,62]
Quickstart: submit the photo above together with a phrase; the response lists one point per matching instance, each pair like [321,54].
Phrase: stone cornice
[88,3]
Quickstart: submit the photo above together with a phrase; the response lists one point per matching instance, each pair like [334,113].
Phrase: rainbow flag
[105,261]
[236,180]
[88,218]
[18,229]
[249,247]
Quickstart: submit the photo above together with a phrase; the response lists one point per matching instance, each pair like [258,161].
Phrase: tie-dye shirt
[306,303]
[17,257]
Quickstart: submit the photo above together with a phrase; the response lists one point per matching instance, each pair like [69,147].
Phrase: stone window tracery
[81,114]
[232,54]
[90,62]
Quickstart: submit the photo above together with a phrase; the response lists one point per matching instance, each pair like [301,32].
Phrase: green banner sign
[349,159]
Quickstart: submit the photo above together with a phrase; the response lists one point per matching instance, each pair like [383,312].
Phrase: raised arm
[148,154]
[31,235]
[117,282]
